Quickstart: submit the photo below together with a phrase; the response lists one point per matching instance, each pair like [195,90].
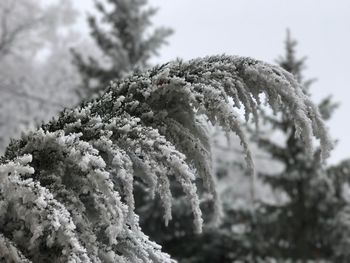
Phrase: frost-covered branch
[67,189]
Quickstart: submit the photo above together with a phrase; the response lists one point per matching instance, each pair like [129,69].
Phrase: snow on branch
[66,190]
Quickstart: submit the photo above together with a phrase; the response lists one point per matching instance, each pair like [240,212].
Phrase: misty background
[248,28]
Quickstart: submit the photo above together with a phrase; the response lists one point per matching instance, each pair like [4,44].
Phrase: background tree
[297,228]
[66,190]
[30,33]
[300,205]
[126,43]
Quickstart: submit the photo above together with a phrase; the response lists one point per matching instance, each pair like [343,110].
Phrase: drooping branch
[79,169]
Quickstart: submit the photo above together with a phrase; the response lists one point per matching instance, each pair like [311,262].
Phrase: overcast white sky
[257,28]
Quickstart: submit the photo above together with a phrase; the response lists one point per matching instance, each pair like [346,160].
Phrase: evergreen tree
[305,225]
[297,228]
[126,43]
[310,223]
[66,190]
